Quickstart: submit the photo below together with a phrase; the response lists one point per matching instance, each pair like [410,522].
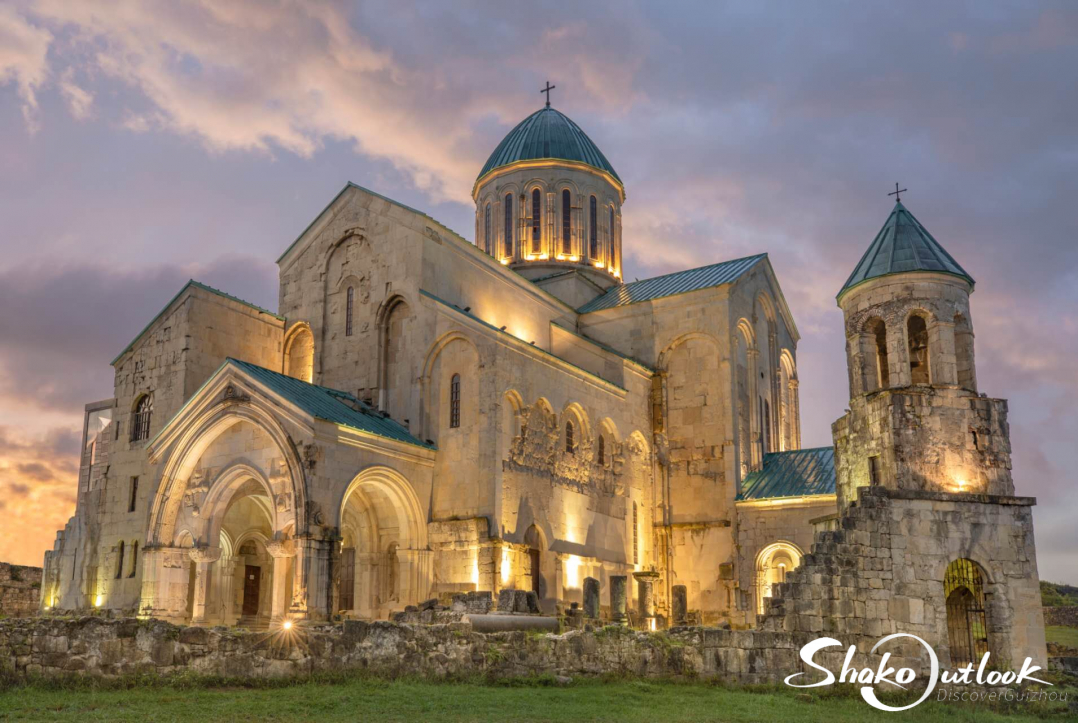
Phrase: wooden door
[252,582]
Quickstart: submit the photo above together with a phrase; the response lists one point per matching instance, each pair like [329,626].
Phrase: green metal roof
[677,283]
[797,473]
[903,245]
[547,133]
[330,404]
[192,283]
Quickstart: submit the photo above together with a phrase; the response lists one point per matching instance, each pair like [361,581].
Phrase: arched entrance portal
[533,540]
[384,561]
[967,625]
[773,564]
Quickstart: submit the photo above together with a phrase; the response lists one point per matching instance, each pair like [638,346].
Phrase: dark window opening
[566,222]
[537,217]
[917,332]
[140,422]
[134,558]
[120,561]
[570,445]
[348,311]
[486,230]
[593,230]
[454,401]
[874,470]
[508,240]
[133,498]
[602,450]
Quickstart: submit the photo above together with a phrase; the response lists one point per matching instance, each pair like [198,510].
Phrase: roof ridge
[695,268]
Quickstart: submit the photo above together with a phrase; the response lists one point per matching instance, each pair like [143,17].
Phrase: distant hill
[1055,594]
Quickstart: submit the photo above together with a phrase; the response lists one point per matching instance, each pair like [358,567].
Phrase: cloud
[23,50]
[38,486]
[79,101]
[64,323]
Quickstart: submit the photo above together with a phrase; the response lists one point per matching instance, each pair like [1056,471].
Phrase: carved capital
[280,548]
[204,554]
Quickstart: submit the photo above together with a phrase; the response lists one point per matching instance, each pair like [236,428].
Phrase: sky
[145,143]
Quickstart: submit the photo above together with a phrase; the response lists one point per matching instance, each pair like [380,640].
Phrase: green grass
[1062,635]
[373,699]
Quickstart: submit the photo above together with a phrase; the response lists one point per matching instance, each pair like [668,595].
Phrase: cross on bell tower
[547,90]
[898,199]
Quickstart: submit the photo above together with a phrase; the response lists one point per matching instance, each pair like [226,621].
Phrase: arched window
[454,401]
[593,230]
[508,252]
[636,536]
[963,352]
[140,422]
[566,222]
[134,558]
[570,445]
[348,304]
[120,561]
[486,230]
[602,451]
[610,252]
[967,624]
[537,217]
[878,378]
[917,336]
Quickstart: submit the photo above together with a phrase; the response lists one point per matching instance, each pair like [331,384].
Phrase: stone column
[310,598]
[226,573]
[645,592]
[619,589]
[281,551]
[591,597]
[680,609]
[164,583]
[203,557]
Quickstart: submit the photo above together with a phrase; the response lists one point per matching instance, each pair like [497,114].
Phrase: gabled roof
[903,245]
[797,473]
[547,134]
[192,284]
[330,405]
[679,282]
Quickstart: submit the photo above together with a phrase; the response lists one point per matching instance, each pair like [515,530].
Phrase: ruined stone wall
[97,646]
[924,438]
[20,590]
[882,571]
[1062,615]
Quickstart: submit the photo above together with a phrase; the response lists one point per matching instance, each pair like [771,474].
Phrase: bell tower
[915,422]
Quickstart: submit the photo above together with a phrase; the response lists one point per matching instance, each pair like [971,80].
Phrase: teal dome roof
[903,245]
[547,133]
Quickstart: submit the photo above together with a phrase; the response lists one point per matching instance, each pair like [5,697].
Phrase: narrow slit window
[566,222]
[134,558]
[570,444]
[486,230]
[593,229]
[636,536]
[454,401]
[537,217]
[602,451]
[120,561]
[508,240]
[133,497]
[349,303]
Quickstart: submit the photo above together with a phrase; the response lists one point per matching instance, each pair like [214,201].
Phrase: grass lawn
[1062,635]
[365,699]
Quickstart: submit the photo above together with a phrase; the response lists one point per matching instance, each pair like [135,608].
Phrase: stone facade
[20,590]
[426,418]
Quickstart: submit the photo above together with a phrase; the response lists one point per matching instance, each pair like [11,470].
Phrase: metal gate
[967,628]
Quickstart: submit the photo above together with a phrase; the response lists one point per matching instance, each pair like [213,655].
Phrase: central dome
[547,134]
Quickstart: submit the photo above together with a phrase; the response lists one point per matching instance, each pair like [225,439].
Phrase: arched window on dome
[454,401]
[566,222]
[610,250]
[508,252]
[593,230]
[537,217]
[486,231]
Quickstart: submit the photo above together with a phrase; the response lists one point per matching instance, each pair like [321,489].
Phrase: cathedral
[424,416]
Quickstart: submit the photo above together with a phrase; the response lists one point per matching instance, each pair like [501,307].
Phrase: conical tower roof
[901,246]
